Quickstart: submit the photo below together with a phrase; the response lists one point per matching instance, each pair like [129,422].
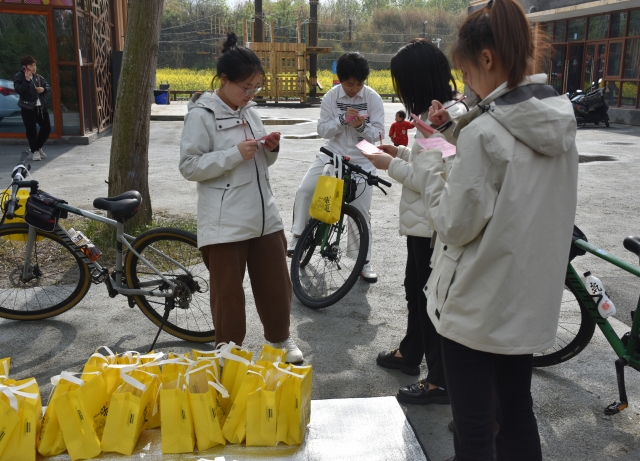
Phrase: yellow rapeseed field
[188,80]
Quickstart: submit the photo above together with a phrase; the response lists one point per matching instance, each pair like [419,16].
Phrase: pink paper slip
[421,124]
[367,147]
[349,118]
[437,143]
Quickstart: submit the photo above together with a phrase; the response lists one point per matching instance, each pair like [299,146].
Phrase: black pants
[31,118]
[484,386]
[421,339]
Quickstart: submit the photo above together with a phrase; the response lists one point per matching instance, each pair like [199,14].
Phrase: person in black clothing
[32,88]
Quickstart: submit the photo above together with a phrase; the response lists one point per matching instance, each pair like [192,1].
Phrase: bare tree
[129,164]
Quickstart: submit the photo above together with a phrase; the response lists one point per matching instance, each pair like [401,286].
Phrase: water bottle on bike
[595,288]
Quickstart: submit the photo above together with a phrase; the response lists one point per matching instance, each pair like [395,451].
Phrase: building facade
[72,42]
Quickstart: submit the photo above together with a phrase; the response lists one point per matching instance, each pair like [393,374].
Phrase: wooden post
[245,32]
[299,31]
[259,27]
[271,29]
[313,42]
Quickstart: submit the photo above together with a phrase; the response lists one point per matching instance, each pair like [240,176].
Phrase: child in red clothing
[398,130]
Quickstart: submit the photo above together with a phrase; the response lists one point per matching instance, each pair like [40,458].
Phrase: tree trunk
[129,163]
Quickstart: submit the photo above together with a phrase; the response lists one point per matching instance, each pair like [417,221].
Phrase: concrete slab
[342,341]
[336,432]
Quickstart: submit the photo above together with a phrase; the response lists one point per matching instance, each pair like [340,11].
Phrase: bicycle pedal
[615,408]
[110,288]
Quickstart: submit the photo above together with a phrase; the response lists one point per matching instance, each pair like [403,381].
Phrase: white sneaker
[368,274]
[294,355]
[36,156]
[42,154]
[292,245]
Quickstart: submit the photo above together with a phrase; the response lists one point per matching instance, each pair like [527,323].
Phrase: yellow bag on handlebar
[326,204]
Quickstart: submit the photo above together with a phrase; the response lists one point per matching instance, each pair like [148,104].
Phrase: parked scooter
[590,107]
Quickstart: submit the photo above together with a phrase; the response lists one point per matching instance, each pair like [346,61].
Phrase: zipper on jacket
[258,177]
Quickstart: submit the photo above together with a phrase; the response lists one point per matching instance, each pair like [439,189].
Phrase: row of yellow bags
[106,407]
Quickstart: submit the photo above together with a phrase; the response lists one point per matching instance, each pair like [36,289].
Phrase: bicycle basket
[575,251]
[42,211]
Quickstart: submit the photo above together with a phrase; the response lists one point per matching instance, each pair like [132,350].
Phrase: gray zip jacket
[504,216]
[235,201]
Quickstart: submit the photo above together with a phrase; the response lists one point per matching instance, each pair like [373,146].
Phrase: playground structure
[285,66]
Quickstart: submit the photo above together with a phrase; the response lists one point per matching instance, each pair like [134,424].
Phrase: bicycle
[43,274]
[579,316]
[324,253]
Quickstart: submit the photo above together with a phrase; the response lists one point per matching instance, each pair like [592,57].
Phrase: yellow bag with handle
[236,365]
[205,394]
[131,404]
[23,419]
[177,431]
[82,413]
[175,363]
[4,368]
[50,439]
[261,418]
[103,363]
[271,354]
[326,203]
[151,364]
[294,407]
[235,426]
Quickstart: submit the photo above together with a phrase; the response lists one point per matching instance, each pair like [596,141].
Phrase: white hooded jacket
[235,201]
[504,217]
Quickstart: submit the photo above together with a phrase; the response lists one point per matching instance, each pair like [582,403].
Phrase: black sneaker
[419,394]
[389,360]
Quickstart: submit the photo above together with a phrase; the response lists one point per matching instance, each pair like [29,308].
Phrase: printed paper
[421,124]
[367,147]
[437,143]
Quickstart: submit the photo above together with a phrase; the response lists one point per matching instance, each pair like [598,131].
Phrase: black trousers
[38,116]
[421,339]
[483,387]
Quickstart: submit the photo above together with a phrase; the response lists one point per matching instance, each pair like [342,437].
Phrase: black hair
[237,62]
[420,73]
[27,60]
[352,64]
[402,114]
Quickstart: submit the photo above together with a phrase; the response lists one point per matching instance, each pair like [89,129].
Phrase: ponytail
[237,63]
[502,27]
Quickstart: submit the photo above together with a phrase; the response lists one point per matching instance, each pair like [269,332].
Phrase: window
[618,24]
[611,95]
[632,59]
[65,43]
[634,23]
[577,29]
[629,92]
[615,59]
[548,29]
[561,28]
[598,27]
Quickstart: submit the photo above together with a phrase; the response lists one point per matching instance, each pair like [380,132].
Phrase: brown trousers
[265,257]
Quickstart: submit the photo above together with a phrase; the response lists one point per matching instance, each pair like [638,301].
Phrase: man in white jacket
[350,112]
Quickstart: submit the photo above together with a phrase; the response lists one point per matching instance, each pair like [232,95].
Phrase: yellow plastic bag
[326,204]
[294,408]
[8,423]
[23,398]
[205,395]
[175,364]
[50,439]
[271,354]
[151,363]
[131,405]
[4,368]
[261,418]
[103,363]
[178,435]
[235,426]
[82,414]
[236,365]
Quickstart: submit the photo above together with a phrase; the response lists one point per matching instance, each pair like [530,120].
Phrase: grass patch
[103,236]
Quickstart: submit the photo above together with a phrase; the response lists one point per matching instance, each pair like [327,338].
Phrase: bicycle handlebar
[375,179]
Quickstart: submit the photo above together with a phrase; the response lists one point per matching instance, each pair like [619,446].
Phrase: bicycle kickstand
[169,304]
[616,407]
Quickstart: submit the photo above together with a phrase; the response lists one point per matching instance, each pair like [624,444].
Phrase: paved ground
[342,341]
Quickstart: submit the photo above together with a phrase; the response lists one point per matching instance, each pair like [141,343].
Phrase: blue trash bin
[161,96]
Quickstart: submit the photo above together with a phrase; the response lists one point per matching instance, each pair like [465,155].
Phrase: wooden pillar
[259,28]
[313,58]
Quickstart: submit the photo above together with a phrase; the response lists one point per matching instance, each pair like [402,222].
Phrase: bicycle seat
[632,243]
[122,207]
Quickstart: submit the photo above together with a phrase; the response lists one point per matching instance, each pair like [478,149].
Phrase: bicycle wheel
[323,276]
[58,281]
[174,253]
[575,329]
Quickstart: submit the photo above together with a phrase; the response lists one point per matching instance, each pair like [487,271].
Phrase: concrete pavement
[343,340]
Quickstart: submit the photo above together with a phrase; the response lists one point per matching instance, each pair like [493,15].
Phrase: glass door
[20,35]
[595,61]
[574,68]
[558,61]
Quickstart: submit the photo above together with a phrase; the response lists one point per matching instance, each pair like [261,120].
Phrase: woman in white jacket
[239,225]
[421,74]
[504,216]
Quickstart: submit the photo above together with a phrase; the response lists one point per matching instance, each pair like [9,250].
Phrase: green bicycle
[579,316]
[328,258]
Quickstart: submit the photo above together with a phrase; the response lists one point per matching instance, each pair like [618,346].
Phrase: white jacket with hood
[235,201]
[413,215]
[504,217]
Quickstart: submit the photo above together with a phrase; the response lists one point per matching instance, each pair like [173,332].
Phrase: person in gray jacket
[504,215]
[225,148]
